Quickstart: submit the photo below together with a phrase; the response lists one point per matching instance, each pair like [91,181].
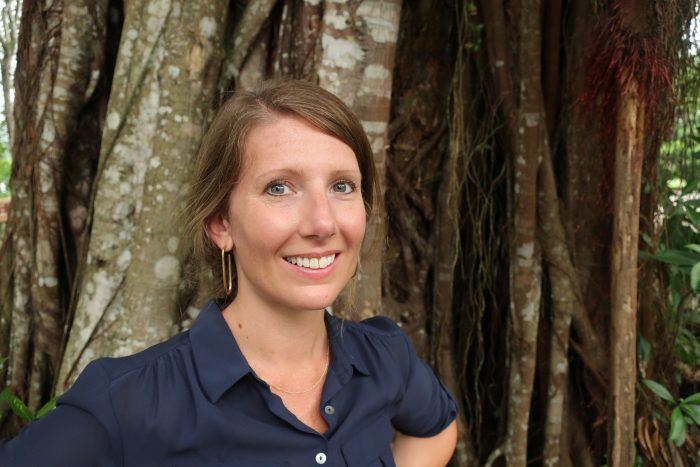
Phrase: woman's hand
[436,451]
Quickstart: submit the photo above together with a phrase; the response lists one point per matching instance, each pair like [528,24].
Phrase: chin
[313,303]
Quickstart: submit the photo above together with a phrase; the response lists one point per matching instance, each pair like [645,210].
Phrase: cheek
[262,230]
[357,225]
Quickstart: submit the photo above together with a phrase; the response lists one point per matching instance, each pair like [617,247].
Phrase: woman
[283,187]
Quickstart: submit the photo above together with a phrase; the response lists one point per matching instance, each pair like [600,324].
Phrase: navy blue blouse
[194,401]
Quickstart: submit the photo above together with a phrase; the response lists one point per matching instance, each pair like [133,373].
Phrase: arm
[76,433]
[435,451]
[68,436]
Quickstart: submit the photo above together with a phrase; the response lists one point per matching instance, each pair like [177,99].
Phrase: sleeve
[427,407]
[79,432]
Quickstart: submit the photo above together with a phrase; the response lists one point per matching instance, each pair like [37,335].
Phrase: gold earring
[227,273]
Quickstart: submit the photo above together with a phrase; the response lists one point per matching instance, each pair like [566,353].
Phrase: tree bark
[525,267]
[58,68]
[447,245]
[128,284]
[359,44]
[491,179]
[8,43]
[565,296]
[629,153]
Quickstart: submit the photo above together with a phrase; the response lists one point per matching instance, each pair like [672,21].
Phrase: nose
[317,216]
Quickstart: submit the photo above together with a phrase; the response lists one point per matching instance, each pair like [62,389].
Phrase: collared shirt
[194,401]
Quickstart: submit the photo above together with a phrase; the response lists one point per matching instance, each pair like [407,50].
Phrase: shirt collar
[220,363]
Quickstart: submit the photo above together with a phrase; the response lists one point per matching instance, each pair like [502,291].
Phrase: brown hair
[219,161]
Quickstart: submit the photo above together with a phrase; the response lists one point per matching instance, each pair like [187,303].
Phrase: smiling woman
[292,201]
[282,190]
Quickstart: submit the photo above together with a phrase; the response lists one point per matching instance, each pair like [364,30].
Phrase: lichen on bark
[154,124]
[358,44]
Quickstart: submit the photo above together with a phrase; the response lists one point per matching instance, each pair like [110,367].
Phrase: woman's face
[296,218]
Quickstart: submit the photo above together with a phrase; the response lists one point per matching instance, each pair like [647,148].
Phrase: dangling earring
[227,273]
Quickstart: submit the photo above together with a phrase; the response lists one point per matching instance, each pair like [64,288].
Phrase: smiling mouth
[312,263]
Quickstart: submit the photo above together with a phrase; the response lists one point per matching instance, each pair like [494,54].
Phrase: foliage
[678,247]
[5,160]
[5,167]
[19,407]
[680,164]
[681,252]
[679,179]
[685,412]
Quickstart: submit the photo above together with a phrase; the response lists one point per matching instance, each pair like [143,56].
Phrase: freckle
[240,326]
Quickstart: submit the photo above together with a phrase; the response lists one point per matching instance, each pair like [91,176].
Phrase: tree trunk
[490,170]
[359,43]
[50,95]
[565,297]
[629,153]
[8,45]
[128,284]
[525,258]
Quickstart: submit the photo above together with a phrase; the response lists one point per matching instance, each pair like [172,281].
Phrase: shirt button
[329,410]
[320,458]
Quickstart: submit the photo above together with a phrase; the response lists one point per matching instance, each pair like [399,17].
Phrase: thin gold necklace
[315,385]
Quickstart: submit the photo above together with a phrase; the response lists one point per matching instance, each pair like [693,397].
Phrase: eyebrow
[282,173]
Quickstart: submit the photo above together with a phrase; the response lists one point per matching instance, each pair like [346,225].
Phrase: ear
[219,232]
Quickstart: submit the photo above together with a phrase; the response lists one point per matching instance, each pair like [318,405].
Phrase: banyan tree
[512,139]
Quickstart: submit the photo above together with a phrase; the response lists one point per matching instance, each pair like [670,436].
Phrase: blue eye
[343,187]
[277,189]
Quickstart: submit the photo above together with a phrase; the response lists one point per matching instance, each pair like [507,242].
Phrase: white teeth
[312,263]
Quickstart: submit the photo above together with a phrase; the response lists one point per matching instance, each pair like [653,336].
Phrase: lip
[314,255]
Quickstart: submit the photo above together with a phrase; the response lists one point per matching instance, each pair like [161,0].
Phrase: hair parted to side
[220,158]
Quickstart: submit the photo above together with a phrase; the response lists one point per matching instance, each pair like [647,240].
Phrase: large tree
[511,138]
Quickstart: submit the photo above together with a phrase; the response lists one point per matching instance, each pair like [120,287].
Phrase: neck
[276,336]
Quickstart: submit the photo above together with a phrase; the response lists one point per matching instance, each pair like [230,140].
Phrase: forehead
[289,142]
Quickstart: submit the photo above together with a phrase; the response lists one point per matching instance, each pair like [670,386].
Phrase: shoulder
[377,329]
[176,347]
[100,375]
[379,326]
[379,342]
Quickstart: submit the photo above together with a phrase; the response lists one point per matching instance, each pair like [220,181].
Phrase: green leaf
[659,389]
[677,257]
[46,408]
[675,183]
[694,318]
[693,412]
[19,408]
[693,399]
[695,278]
[3,397]
[693,247]
[693,216]
[675,294]
[678,427]
[643,349]
[692,202]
